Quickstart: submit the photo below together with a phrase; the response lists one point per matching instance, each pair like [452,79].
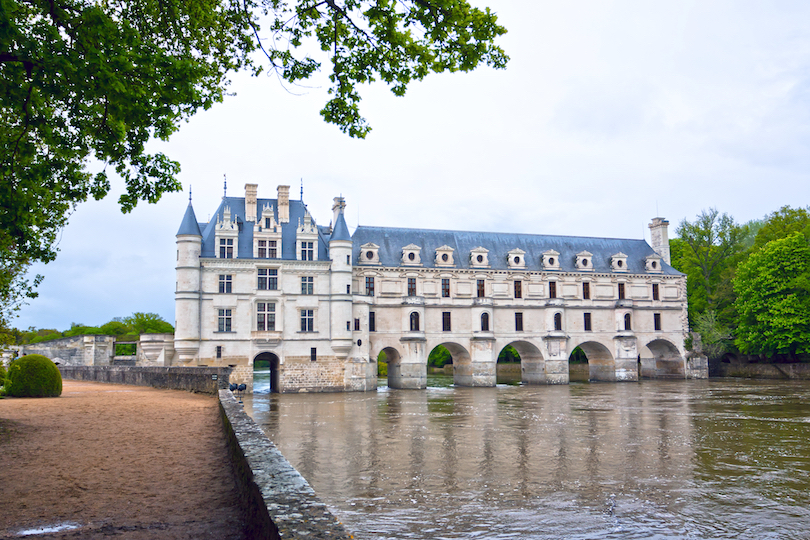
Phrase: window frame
[307,285]
[656,295]
[414,321]
[372,321]
[307,250]
[586,290]
[552,289]
[518,321]
[307,320]
[485,322]
[226,283]
[481,288]
[224,320]
[621,291]
[411,286]
[447,321]
[369,285]
[445,288]
[657,322]
[558,322]
[587,322]
[226,248]
[518,288]
[267,279]
[265,317]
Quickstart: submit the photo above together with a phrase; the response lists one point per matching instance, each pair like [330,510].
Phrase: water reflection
[690,459]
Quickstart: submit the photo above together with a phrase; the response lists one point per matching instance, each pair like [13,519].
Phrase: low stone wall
[193,379]
[762,371]
[279,502]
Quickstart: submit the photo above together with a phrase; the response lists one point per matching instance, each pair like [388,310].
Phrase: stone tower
[340,252]
[659,237]
[187,291]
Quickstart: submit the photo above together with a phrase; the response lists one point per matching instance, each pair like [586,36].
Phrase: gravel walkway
[116,461]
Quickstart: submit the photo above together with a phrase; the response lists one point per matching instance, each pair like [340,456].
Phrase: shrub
[33,376]
[2,373]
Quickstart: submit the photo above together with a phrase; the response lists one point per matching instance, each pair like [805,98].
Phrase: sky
[609,113]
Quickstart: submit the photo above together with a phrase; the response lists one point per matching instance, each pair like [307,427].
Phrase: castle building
[262,280]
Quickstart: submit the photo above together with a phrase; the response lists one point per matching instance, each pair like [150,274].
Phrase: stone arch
[532,362]
[270,383]
[661,359]
[601,364]
[463,374]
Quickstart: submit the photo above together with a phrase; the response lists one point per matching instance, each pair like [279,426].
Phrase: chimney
[660,237]
[250,202]
[338,205]
[283,204]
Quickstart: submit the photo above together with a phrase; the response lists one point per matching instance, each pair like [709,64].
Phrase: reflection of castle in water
[262,281]
[491,446]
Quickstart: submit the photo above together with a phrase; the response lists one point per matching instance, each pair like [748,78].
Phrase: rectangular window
[308,285]
[372,322]
[445,321]
[219,351]
[518,322]
[265,317]
[226,248]
[272,250]
[481,290]
[224,320]
[307,320]
[357,325]
[268,279]
[518,289]
[307,251]
[369,286]
[587,322]
[313,354]
[657,320]
[655,291]
[411,286]
[225,282]
[445,288]
[267,223]
[621,291]
[586,291]
[262,249]
[552,289]
[348,289]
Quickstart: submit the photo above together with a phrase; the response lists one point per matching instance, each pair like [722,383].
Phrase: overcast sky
[608,114]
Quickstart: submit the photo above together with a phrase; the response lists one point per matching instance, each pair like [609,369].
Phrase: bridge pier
[410,371]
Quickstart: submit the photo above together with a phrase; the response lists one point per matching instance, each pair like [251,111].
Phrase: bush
[33,376]
[2,373]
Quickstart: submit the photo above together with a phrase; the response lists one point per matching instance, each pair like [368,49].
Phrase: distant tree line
[134,325]
[748,285]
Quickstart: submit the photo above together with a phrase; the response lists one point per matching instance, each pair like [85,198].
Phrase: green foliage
[382,365]
[3,373]
[83,80]
[773,298]
[148,323]
[715,337]
[126,349]
[115,327]
[508,354]
[439,356]
[783,223]
[33,376]
[578,356]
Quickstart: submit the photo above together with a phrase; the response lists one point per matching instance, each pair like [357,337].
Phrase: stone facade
[262,281]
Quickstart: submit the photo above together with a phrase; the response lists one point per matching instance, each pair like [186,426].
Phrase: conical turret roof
[189,224]
[340,230]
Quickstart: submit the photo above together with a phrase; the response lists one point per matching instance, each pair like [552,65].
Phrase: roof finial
[189,194]
[302,189]
[225,186]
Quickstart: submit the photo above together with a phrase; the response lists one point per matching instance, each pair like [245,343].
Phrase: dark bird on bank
[233,386]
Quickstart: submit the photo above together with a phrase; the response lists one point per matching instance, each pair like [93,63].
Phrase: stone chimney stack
[250,202]
[338,205]
[283,204]
[659,237]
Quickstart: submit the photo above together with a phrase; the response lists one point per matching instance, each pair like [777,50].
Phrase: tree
[715,337]
[148,323]
[773,299]
[781,224]
[713,245]
[85,80]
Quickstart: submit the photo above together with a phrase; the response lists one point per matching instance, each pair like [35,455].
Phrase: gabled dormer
[226,235]
[444,257]
[479,257]
[618,262]
[585,261]
[551,260]
[516,258]
[369,254]
[306,239]
[653,264]
[411,255]
[266,235]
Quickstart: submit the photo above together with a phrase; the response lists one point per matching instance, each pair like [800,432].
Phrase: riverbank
[117,461]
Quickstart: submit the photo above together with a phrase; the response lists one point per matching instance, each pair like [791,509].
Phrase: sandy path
[119,462]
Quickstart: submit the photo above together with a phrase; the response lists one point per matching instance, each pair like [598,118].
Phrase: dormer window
[227,236]
[370,253]
[411,255]
[444,256]
[618,262]
[551,260]
[585,261]
[266,235]
[479,258]
[653,264]
[516,258]
[306,238]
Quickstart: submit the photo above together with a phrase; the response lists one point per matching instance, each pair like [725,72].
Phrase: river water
[655,459]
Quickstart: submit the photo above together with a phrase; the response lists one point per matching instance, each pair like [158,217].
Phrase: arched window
[558,321]
[414,322]
[485,322]
[627,325]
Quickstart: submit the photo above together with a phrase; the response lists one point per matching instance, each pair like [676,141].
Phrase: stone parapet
[193,379]
[279,502]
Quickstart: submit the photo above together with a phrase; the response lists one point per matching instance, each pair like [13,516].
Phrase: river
[656,459]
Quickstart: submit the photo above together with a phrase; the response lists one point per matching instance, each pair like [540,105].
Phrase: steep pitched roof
[392,239]
[341,231]
[189,224]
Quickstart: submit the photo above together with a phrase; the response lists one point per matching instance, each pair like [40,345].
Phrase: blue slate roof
[189,224]
[341,231]
[245,249]
[392,239]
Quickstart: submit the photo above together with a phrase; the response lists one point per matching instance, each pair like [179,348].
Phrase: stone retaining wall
[279,502]
[205,380]
[761,371]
